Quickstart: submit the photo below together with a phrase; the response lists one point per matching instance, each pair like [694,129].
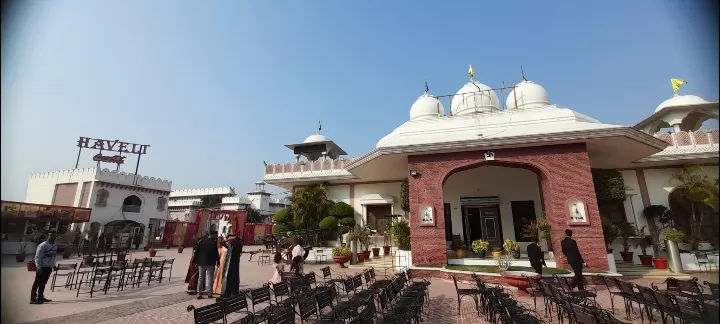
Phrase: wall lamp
[414,173]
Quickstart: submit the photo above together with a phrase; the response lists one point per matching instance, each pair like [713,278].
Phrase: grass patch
[494,269]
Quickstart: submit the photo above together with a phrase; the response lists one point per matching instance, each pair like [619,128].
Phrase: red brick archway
[564,174]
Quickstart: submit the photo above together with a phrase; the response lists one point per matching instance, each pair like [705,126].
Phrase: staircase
[381,263]
[634,270]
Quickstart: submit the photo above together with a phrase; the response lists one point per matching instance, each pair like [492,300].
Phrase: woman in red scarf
[192,275]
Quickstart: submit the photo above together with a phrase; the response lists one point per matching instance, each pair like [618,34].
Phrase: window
[12,230]
[523,213]
[132,204]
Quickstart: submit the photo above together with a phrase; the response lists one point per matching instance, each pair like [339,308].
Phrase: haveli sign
[112,146]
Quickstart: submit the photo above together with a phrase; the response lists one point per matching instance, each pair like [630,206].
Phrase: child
[278,267]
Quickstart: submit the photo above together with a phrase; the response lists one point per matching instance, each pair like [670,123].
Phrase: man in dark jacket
[206,257]
[574,259]
[535,254]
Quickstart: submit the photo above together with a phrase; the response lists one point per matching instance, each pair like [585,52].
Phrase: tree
[253,215]
[405,196]
[209,202]
[282,222]
[696,188]
[310,205]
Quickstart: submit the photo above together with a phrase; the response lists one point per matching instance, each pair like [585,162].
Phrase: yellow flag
[471,72]
[676,83]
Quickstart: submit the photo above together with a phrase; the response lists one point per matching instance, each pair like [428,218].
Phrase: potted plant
[364,240]
[386,238]
[512,247]
[497,252]
[626,231]
[179,237]
[68,240]
[536,227]
[91,235]
[480,247]
[459,247]
[643,244]
[341,255]
[664,216]
[610,232]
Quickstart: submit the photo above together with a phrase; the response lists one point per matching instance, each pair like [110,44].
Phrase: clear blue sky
[217,87]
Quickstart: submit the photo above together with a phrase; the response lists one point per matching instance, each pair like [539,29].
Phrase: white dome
[426,106]
[684,100]
[315,138]
[527,94]
[474,97]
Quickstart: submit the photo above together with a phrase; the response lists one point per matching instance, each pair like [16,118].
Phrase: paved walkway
[167,302]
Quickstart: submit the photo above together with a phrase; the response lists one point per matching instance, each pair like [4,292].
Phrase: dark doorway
[448,222]
[474,224]
[376,216]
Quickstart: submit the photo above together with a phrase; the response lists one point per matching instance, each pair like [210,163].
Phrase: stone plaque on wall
[427,216]
[102,197]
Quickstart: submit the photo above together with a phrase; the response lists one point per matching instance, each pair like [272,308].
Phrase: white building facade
[481,170]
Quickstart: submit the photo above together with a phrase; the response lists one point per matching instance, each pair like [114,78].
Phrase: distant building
[183,201]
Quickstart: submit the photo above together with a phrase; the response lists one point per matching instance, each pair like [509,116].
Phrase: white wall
[41,186]
[388,190]
[509,184]
[113,210]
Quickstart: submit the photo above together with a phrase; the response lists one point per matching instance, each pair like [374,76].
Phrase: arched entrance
[493,201]
[123,233]
[565,178]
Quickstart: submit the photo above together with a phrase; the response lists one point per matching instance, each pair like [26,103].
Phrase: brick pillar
[564,172]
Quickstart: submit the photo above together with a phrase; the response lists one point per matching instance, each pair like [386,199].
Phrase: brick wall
[564,173]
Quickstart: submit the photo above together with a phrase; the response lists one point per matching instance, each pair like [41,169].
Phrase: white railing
[699,138]
[307,166]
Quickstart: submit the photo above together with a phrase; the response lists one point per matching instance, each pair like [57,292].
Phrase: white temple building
[480,170]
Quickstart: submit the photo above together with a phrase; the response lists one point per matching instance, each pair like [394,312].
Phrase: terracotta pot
[88,260]
[361,257]
[660,263]
[20,258]
[496,254]
[646,260]
[180,249]
[376,252]
[153,253]
[66,255]
[517,281]
[121,256]
[147,248]
[341,260]
[627,256]
[386,250]
[460,254]
[31,265]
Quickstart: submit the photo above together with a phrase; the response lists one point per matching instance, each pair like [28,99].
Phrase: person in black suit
[572,253]
[535,254]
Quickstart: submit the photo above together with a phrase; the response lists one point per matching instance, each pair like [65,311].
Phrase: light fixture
[413,173]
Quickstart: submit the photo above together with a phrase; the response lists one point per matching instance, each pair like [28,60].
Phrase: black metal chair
[213,313]
[236,306]
[66,270]
[466,292]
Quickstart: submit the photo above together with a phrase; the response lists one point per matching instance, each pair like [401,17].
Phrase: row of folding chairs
[338,298]
[103,275]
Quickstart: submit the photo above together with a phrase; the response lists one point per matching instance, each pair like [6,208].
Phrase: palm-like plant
[309,205]
[696,188]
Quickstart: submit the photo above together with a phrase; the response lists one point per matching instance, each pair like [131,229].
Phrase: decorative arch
[564,173]
[132,203]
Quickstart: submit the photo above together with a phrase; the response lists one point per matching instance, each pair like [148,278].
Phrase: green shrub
[329,223]
[400,232]
[283,216]
[281,228]
[347,221]
[341,210]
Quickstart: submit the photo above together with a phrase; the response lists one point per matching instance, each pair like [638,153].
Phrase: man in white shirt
[298,250]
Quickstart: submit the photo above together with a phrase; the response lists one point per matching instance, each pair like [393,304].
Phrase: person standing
[137,240]
[278,268]
[535,255]
[206,257]
[229,283]
[574,258]
[298,251]
[44,262]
